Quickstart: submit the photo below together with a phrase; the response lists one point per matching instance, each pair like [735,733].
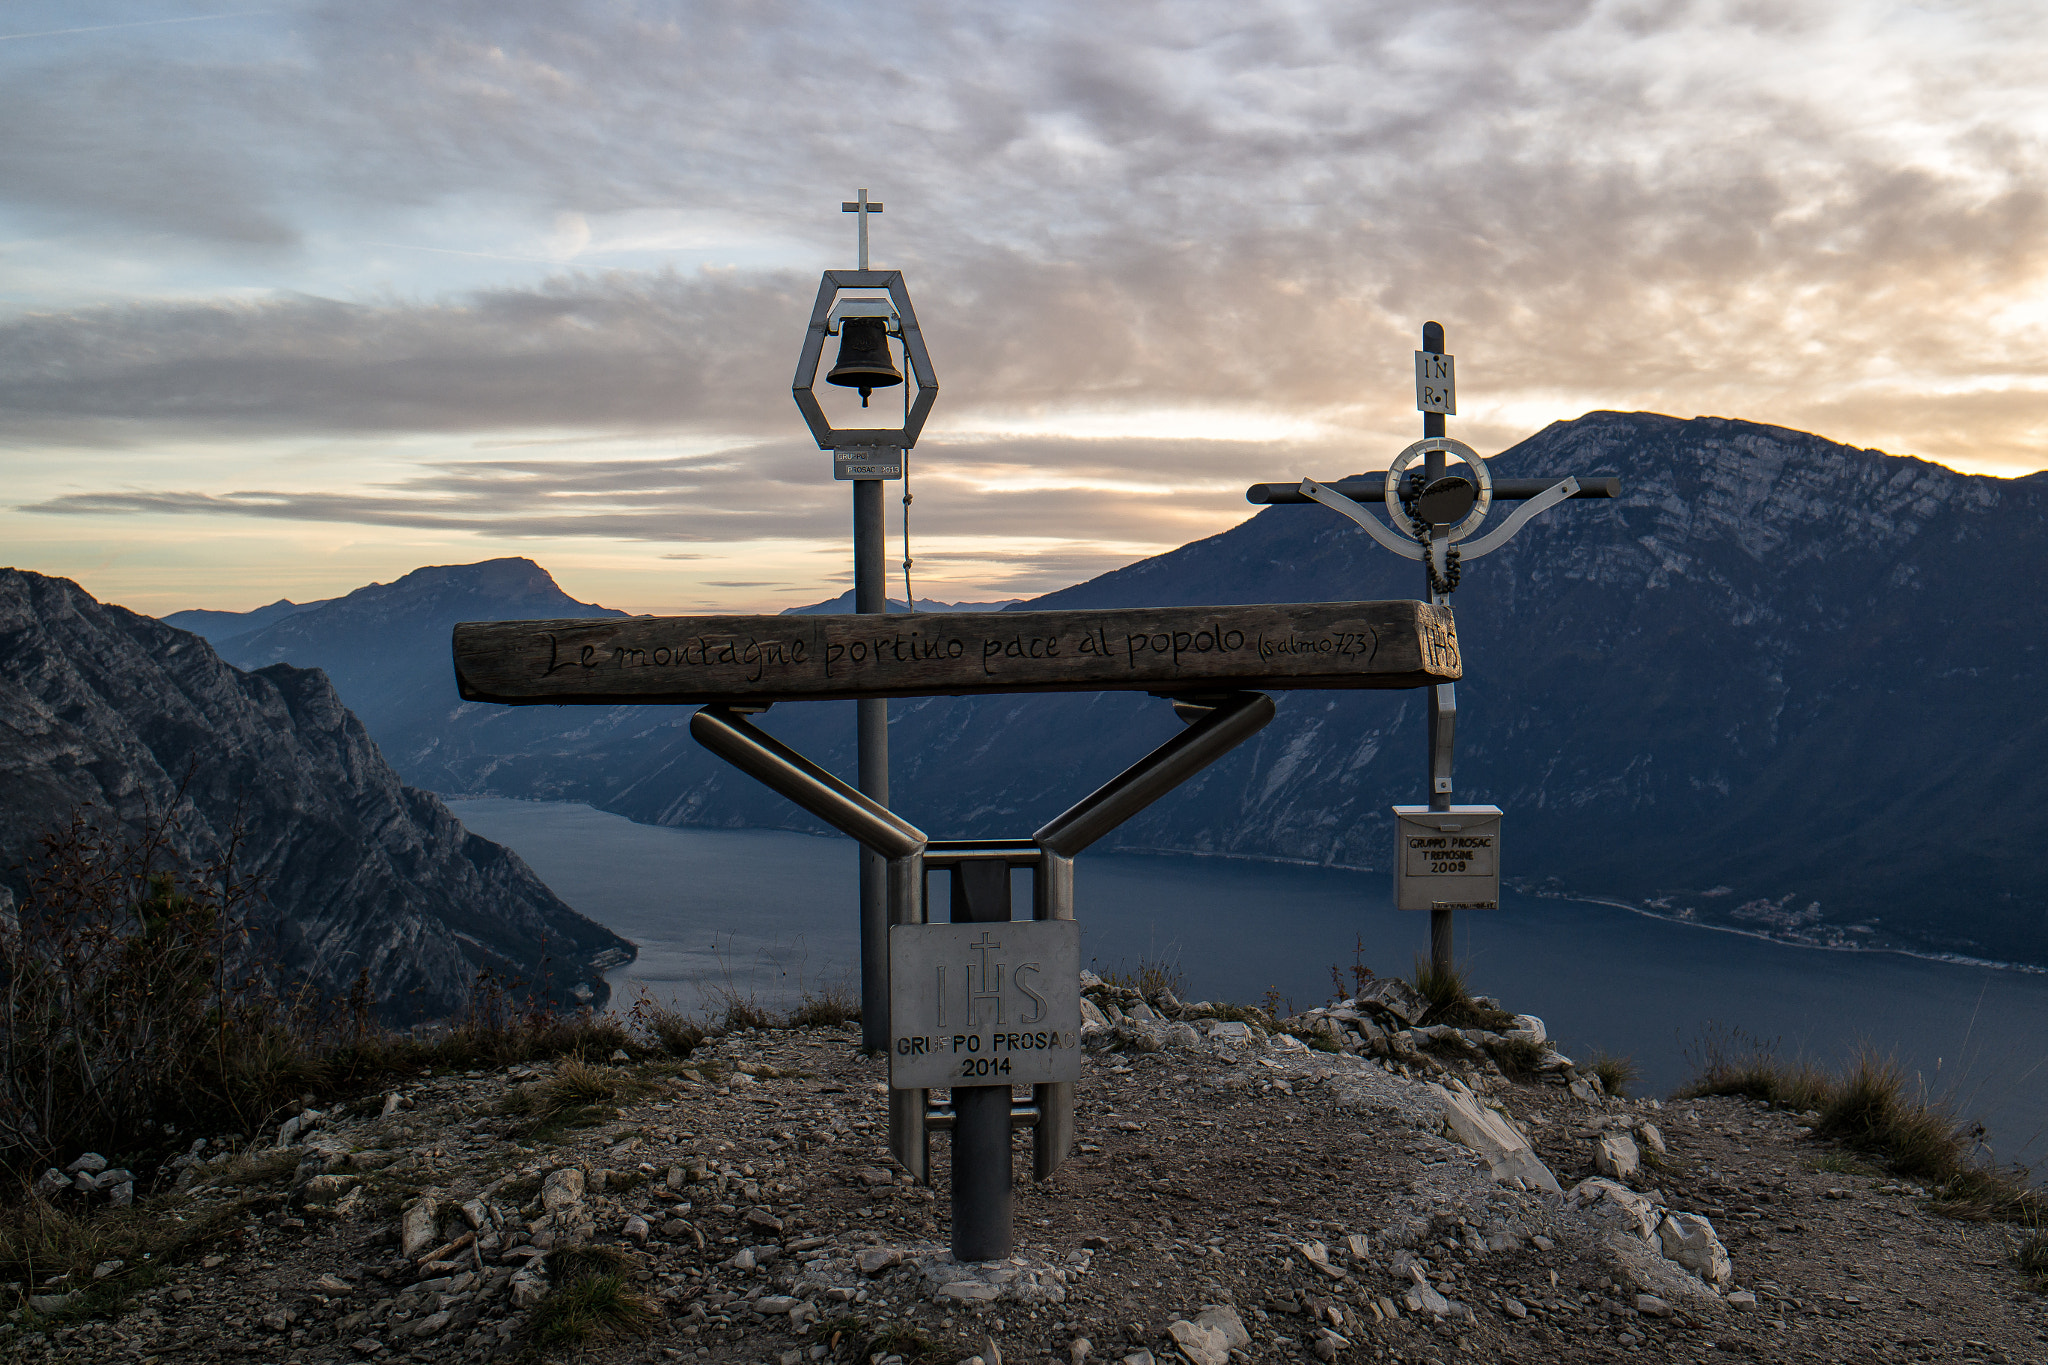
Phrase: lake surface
[772,914]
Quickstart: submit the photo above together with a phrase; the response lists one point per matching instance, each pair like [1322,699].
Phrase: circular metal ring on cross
[1450,447]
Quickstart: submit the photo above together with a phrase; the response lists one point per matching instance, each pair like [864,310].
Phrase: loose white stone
[416,1227]
[1616,1157]
[1508,1154]
[562,1188]
[1688,1238]
[1221,1317]
[1201,1345]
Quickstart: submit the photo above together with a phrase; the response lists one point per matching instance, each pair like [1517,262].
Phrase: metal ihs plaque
[984,1004]
[1447,859]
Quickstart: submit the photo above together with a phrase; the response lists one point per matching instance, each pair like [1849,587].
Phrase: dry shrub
[122,1016]
[128,1014]
[673,1032]
[830,1007]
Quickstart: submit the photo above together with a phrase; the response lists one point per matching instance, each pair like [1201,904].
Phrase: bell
[864,359]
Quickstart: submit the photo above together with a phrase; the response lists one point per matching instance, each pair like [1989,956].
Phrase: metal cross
[862,207]
[983,948]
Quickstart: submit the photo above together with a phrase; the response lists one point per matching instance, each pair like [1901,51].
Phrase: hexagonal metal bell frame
[829,438]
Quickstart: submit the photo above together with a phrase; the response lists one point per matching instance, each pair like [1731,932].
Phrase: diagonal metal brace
[1401,545]
[782,769]
[1157,773]
[1523,515]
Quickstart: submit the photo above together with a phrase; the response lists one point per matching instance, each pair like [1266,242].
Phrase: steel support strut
[982,1118]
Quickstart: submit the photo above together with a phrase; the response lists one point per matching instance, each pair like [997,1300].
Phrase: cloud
[1820,213]
[779,491]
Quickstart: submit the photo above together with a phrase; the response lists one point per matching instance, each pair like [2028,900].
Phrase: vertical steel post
[907,1138]
[870,596]
[1441,953]
[981,1113]
[1052,891]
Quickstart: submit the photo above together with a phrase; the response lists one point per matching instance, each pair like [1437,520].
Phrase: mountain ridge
[105,709]
[1763,689]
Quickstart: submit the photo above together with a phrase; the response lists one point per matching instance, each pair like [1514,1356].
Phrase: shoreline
[1614,903]
[1947,959]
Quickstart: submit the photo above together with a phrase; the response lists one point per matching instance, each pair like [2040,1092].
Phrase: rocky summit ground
[1236,1196]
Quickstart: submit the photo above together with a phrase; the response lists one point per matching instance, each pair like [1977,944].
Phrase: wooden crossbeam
[757,659]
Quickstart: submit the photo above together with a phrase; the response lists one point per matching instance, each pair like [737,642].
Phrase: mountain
[216,626]
[101,707]
[386,649]
[1780,684]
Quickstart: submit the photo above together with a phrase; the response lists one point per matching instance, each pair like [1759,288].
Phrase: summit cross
[863,208]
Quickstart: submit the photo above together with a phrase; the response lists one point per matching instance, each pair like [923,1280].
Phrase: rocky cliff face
[101,706]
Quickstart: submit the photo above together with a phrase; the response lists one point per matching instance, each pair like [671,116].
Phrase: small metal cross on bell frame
[865,362]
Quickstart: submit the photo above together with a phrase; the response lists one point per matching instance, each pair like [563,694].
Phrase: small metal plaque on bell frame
[867,462]
[1447,859]
[984,1004]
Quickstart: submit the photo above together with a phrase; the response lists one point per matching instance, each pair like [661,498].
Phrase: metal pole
[981,1113]
[907,1138]
[870,597]
[1052,887]
[1441,953]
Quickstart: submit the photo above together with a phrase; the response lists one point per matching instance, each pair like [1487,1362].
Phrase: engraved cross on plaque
[863,208]
[991,989]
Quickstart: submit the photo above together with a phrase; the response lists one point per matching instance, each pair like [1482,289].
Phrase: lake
[773,914]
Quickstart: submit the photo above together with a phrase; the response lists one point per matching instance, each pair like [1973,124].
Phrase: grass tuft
[574,1097]
[1518,1056]
[1872,1109]
[589,1298]
[1450,1002]
[1844,1163]
[1731,1062]
[2032,1258]
[1149,978]
[899,1339]
[38,1241]
[831,1007]
[1617,1073]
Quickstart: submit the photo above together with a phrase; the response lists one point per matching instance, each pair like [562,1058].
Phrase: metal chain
[909,597]
[1444,583]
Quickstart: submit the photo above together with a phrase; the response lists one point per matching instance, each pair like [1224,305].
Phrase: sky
[299,296]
